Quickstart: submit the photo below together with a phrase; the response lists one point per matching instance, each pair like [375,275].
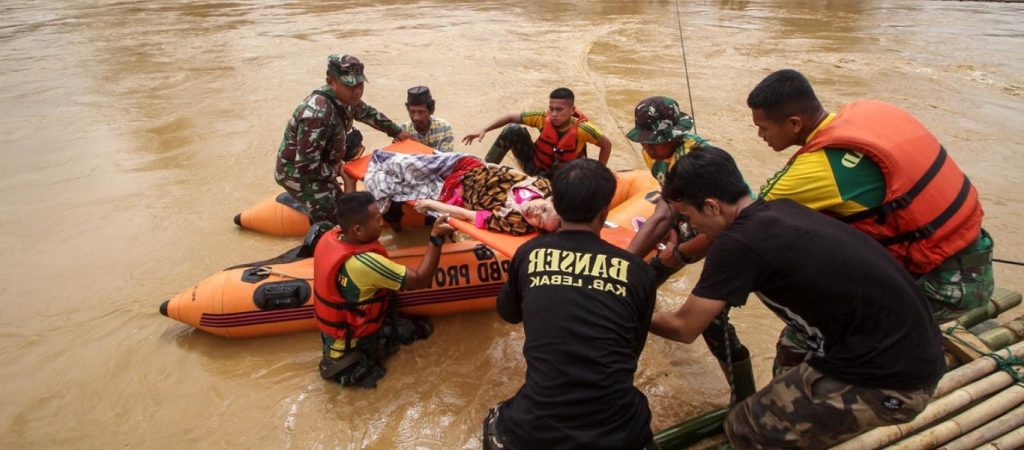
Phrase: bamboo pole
[965,421]
[1009,441]
[952,402]
[976,369]
[992,430]
[692,431]
[1002,300]
[1005,334]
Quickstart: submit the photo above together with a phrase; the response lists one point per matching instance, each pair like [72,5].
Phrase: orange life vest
[337,316]
[551,148]
[931,211]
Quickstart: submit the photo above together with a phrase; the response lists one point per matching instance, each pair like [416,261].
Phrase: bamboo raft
[979,403]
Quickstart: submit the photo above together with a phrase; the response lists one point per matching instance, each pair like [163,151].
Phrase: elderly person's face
[540,214]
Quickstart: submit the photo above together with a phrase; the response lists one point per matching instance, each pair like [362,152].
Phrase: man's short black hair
[785,93]
[705,172]
[581,189]
[352,208]
[563,94]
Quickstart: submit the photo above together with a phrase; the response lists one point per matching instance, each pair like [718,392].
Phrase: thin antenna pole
[686,71]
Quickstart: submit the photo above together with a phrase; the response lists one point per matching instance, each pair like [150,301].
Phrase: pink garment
[523,195]
[481,219]
[453,197]
[519,195]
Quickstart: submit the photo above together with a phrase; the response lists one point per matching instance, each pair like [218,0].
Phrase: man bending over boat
[493,197]
[663,130]
[564,134]
[875,167]
[586,307]
[354,284]
[876,354]
[314,144]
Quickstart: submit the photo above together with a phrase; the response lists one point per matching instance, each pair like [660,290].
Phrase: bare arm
[422,276]
[349,182]
[606,149]
[498,123]
[689,321]
[455,211]
[653,231]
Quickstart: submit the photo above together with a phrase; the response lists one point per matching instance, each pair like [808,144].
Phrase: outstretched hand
[468,139]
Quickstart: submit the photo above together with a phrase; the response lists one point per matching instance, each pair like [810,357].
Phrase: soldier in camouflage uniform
[314,144]
[875,352]
[664,132]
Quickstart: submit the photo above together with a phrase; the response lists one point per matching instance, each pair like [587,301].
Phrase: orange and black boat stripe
[413,298]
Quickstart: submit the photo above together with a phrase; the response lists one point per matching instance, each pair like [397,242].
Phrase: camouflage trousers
[370,351]
[961,283]
[318,195]
[805,409]
[517,139]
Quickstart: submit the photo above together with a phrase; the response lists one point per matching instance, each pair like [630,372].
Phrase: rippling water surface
[134,131]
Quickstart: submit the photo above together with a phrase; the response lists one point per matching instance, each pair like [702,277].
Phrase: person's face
[347,95]
[707,219]
[420,116]
[779,135]
[660,152]
[560,111]
[540,214]
[370,229]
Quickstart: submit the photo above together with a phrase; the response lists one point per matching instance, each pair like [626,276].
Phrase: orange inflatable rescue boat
[263,299]
[268,299]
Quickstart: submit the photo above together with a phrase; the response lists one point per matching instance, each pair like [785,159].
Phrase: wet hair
[705,172]
[563,94]
[785,93]
[352,208]
[581,189]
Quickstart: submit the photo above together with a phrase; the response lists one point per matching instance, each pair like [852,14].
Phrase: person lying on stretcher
[493,197]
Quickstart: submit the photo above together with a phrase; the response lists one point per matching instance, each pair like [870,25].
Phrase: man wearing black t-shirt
[876,354]
[586,308]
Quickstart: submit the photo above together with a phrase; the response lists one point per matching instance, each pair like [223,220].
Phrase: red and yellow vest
[931,210]
[551,148]
[338,317]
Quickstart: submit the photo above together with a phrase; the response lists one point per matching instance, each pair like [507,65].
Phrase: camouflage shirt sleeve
[305,143]
[376,119]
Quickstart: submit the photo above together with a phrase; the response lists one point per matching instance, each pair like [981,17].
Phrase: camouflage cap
[346,68]
[659,120]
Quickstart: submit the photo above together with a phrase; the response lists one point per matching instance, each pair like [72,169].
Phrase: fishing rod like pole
[1007,261]
[686,70]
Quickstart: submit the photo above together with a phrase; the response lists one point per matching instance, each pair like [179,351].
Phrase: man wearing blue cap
[314,148]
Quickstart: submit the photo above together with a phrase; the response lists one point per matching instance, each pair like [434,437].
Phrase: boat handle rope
[1004,363]
[268,270]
